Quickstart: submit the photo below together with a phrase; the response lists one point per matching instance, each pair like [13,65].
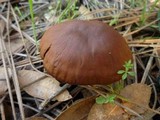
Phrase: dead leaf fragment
[42,89]
[14,45]
[3,82]
[79,110]
[138,93]
[107,111]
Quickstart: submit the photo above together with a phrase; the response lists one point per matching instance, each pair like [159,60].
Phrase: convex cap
[84,52]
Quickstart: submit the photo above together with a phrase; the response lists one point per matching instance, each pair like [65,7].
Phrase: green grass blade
[32,19]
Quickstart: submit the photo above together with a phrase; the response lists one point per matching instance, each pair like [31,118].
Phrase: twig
[3,48]
[17,29]
[47,116]
[134,56]
[127,23]
[117,103]
[44,103]
[2,112]
[133,32]
[128,109]
[154,88]
[15,81]
[141,41]
[145,74]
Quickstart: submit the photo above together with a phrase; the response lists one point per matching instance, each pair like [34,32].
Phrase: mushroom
[84,52]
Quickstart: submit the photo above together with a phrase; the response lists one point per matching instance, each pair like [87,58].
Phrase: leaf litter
[43,88]
[3,82]
[139,25]
[137,93]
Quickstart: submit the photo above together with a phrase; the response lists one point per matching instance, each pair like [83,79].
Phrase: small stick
[45,102]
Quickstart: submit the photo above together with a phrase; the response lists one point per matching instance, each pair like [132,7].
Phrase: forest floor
[28,92]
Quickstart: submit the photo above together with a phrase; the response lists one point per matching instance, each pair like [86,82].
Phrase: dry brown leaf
[138,93]
[3,82]
[15,45]
[42,89]
[78,111]
[107,111]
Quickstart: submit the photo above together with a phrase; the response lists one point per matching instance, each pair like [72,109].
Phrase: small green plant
[106,99]
[114,21]
[128,70]
[147,11]
[70,12]
[111,97]
[144,14]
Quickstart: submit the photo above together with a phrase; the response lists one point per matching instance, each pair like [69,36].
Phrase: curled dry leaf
[79,110]
[43,88]
[107,111]
[3,82]
[138,93]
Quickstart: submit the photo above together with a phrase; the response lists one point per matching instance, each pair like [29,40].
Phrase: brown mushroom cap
[84,52]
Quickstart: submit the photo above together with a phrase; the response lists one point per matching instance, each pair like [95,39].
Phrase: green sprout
[70,12]
[114,21]
[128,70]
[111,97]
[18,11]
[106,99]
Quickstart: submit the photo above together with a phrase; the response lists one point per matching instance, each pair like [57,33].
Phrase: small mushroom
[84,52]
